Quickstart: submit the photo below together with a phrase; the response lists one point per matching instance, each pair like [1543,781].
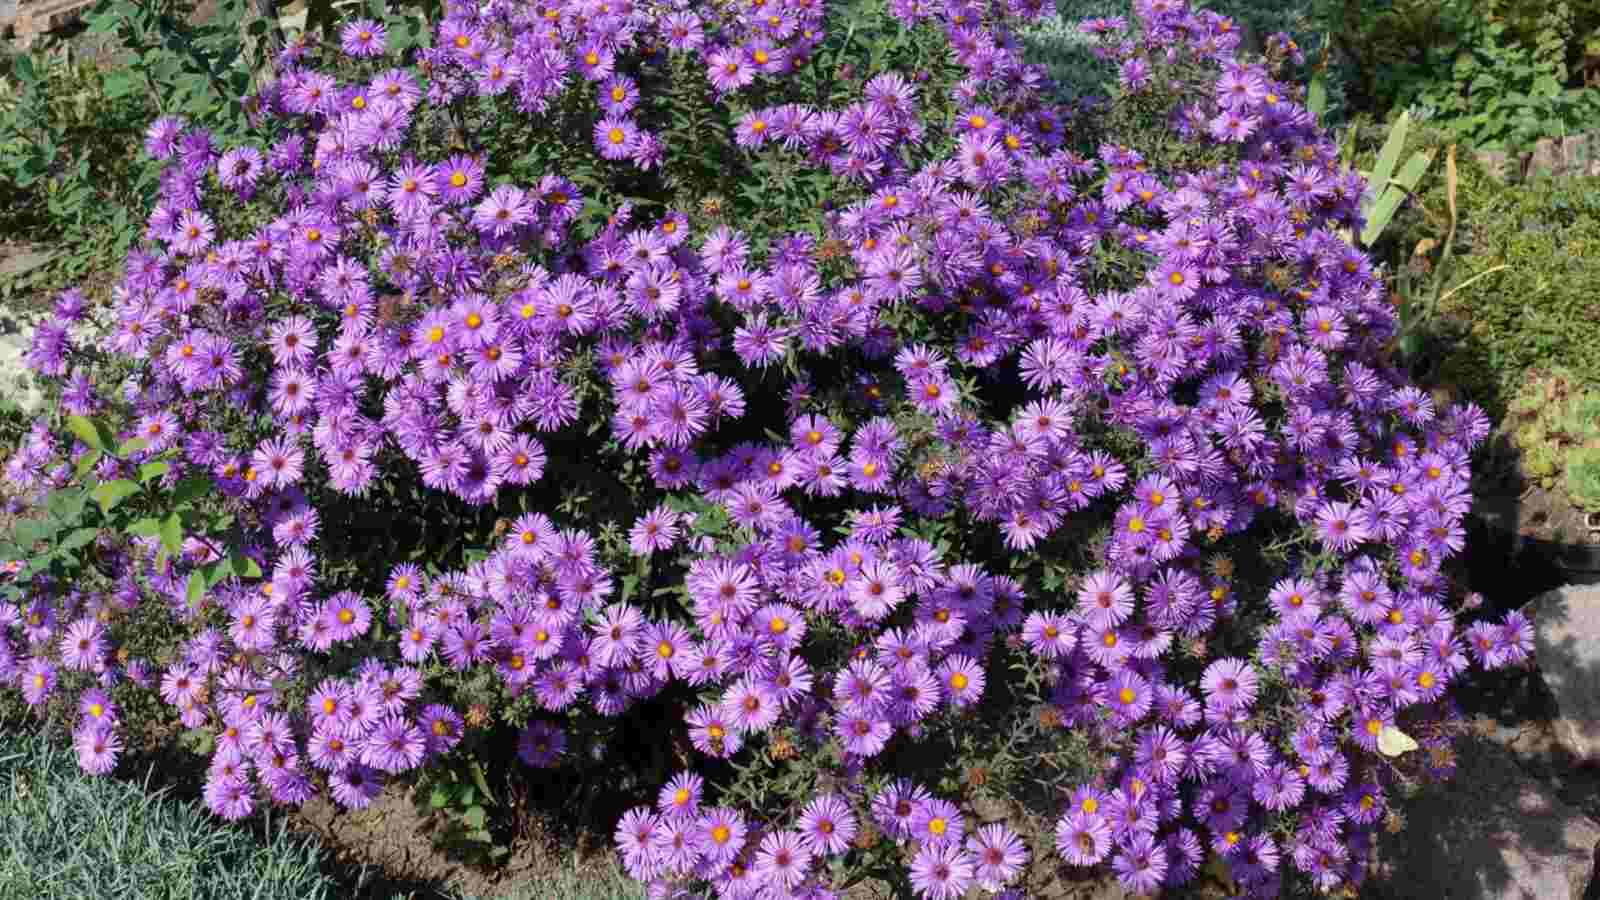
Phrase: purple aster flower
[1082,839]
[83,645]
[724,834]
[962,679]
[541,744]
[941,871]
[681,795]
[506,208]
[828,825]
[355,787]
[1229,684]
[998,855]
[782,859]
[230,798]
[863,735]
[1141,867]
[751,706]
[98,746]
[395,746]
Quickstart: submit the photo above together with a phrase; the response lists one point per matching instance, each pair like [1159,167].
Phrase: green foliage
[70,835]
[143,502]
[1492,73]
[1493,92]
[71,172]
[200,71]
[459,794]
[1555,425]
[1389,188]
[1537,250]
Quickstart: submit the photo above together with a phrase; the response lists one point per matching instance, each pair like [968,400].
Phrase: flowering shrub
[873,423]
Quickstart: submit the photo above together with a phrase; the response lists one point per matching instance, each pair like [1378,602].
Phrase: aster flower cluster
[390,318]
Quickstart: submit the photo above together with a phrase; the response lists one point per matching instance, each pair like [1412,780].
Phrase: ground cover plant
[802,376]
[68,835]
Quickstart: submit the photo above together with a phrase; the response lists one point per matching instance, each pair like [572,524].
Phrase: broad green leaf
[31,531]
[243,566]
[150,471]
[78,538]
[85,430]
[87,462]
[215,572]
[1389,156]
[439,798]
[474,817]
[189,489]
[146,527]
[196,591]
[67,505]
[112,493]
[1317,95]
[132,445]
[172,534]
[119,84]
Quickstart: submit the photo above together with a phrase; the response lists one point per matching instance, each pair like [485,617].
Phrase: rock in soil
[1491,833]
[1567,639]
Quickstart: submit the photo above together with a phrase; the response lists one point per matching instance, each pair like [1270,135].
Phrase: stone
[1566,628]
[1490,833]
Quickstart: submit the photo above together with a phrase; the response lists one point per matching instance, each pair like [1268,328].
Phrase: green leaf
[146,527]
[86,431]
[215,572]
[172,534]
[1317,95]
[1389,156]
[87,462]
[196,591]
[474,817]
[67,505]
[32,531]
[112,493]
[242,566]
[77,538]
[480,781]
[131,446]
[119,84]
[150,471]
[191,488]
[439,798]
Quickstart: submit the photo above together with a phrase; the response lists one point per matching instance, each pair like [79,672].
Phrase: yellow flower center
[958,681]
